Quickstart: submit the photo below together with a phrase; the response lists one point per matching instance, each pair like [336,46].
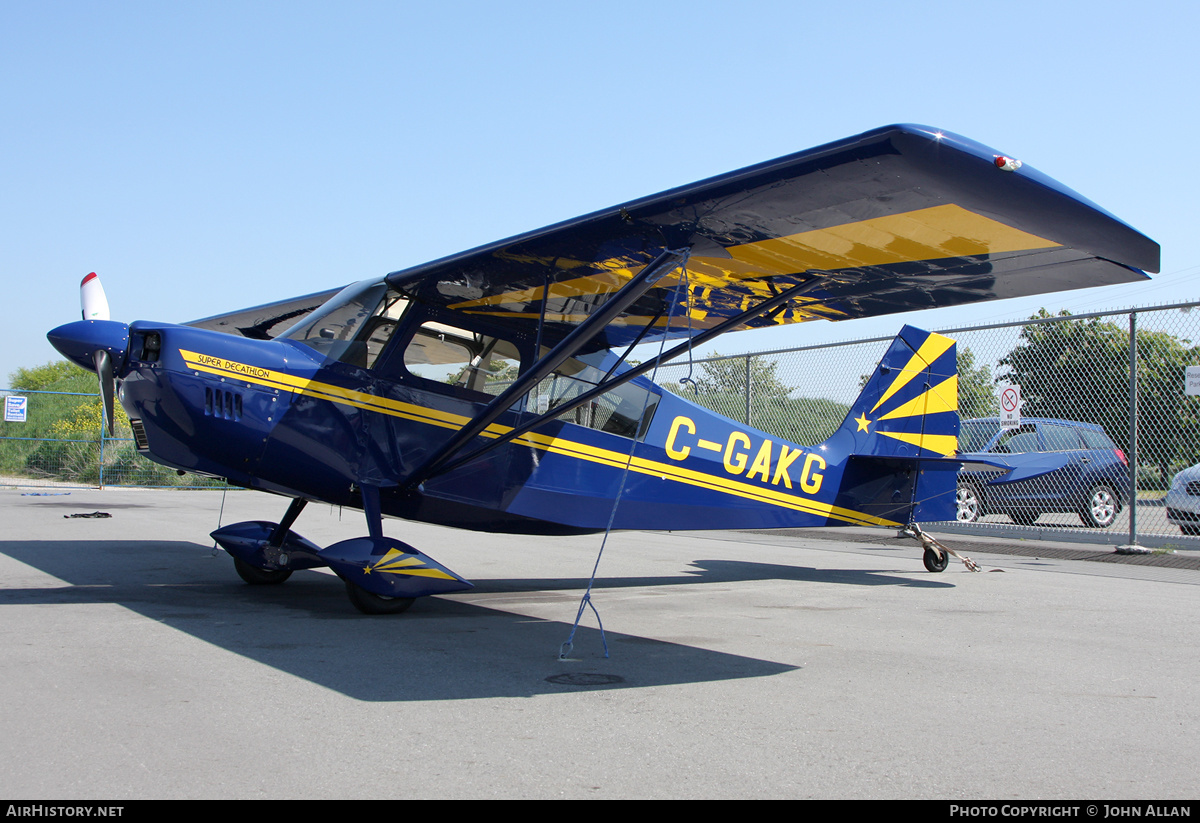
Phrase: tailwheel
[260,577]
[935,561]
[369,603]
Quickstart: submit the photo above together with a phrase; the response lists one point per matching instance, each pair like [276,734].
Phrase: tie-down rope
[586,600]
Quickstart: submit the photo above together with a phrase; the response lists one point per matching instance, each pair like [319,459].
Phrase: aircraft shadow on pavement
[444,648]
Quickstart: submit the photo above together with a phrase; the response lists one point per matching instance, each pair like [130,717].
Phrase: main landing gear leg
[382,575]
[256,576]
[289,519]
[363,600]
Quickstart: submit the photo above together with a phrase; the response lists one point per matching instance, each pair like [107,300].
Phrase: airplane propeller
[96,343]
[92,298]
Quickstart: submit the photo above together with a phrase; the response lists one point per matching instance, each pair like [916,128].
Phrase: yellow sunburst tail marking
[911,400]
[934,347]
[943,444]
[941,398]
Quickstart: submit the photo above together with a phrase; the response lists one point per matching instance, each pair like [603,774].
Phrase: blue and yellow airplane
[491,390]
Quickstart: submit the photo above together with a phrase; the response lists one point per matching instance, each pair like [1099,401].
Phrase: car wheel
[1101,509]
[968,506]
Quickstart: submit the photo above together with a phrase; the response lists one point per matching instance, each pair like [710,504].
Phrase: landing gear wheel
[369,603]
[935,562]
[968,506]
[1101,509]
[260,577]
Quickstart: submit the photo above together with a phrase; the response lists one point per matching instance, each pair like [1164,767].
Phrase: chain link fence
[53,438]
[1131,455]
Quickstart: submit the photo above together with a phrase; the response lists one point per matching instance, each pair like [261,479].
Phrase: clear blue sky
[208,156]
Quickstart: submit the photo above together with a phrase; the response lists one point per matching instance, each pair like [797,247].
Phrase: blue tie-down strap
[389,568]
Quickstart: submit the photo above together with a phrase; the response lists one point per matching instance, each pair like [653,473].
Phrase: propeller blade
[92,298]
[104,370]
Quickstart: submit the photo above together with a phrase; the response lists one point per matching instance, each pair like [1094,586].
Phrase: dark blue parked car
[1093,484]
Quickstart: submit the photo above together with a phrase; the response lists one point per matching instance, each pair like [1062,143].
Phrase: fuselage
[285,417]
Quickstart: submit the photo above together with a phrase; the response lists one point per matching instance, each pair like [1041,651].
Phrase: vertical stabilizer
[909,406]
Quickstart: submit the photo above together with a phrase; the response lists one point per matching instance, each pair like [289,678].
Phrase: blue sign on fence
[15,408]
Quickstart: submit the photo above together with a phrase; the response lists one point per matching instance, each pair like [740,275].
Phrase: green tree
[60,376]
[1079,370]
[720,385]
[728,376]
[976,393]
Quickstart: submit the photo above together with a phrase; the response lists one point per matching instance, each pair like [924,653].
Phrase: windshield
[354,325]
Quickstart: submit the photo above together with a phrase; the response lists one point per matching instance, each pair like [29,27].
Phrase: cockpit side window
[626,410]
[464,359]
[447,355]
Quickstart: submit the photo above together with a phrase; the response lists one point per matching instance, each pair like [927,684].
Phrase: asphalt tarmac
[134,663]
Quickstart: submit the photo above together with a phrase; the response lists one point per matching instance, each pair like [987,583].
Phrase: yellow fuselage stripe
[554,445]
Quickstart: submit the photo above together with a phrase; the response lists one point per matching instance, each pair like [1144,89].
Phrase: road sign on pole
[1191,384]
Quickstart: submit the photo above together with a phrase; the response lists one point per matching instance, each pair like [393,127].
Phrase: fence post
[1133,430]
[747,390]
[101,454]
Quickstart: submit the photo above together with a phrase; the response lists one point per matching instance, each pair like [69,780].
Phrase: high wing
[897,219]
[268,321]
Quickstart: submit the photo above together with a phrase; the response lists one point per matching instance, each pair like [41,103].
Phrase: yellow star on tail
[862,422]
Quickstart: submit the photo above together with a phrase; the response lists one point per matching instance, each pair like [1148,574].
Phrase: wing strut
[769,305]
[584,332]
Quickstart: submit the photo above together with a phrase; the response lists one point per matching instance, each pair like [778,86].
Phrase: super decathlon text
[40,810]
[229,365]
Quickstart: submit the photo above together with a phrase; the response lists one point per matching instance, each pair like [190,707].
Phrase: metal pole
[1133,429]
[747,390]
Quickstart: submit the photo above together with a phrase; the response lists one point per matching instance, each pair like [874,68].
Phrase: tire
[369,603]
[1101,509]
[260,577]
[1024,517]
[935,563]
[968,504]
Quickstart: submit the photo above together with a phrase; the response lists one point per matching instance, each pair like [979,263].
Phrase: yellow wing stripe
[925,234]
[933,233]
[555,445]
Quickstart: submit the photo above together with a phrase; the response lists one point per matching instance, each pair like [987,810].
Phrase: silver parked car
[1183,501]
